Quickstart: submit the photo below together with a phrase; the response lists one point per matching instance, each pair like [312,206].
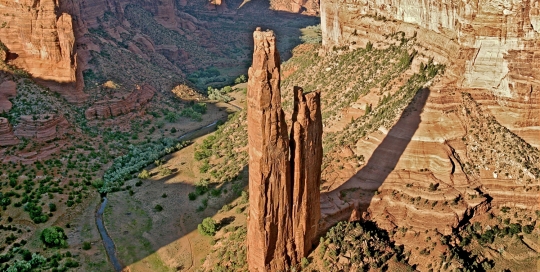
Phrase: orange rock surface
[41,41]
[306,158]
[297,6]
[491,52]
[270,229]
[284,195]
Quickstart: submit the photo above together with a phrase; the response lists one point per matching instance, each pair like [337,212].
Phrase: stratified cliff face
[485,106]
[41,41]
[499,38]
[284,202]
[135,101]
[42,128]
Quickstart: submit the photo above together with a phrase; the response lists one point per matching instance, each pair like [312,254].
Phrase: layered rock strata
[284,194]
[7,138]
[41,128]
[491,52]
[111,108]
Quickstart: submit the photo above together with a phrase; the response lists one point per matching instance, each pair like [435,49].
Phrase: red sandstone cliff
[41,41]
[269,237]
[41,128]
[491,51]
[297,6]
[306,158]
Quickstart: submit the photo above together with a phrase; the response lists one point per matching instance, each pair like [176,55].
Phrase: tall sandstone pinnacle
[284,205]
[306,161]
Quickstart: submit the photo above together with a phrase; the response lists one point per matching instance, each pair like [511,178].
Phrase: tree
[368,109]
[208,227]
[54,237]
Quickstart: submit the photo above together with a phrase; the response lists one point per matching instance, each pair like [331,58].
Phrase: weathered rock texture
[8,89]
[296,6]
[306,158]
[41,41]
[42,128]
[7,137]
[491,51]
[493,46]
[270,243]
[284,195]
[135,101]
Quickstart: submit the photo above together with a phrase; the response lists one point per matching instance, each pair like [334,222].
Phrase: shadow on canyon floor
[359,190]
[175,232]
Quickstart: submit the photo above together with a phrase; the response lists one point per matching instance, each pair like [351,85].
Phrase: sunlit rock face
[491,50]
[296,6]
[284,208]
[41,40]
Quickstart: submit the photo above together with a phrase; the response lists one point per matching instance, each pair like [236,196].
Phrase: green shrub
[87,246]
[208,227]
[54,237]
[52,207]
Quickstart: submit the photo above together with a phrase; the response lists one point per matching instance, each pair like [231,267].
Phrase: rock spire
[284,205]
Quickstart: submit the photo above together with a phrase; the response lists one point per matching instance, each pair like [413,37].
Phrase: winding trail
[110,248]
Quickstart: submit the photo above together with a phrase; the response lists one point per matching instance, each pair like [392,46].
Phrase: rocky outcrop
[491,51]
[493,46]
[42,42]
[111,108]
[8,89]
[7,137]
[284,195]
[306,158]
[310,7]
[41,128]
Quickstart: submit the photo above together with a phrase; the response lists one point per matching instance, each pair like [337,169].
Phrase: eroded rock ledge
[111,108]
[284,208]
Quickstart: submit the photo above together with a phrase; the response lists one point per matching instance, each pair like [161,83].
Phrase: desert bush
[54,237]
[208,227]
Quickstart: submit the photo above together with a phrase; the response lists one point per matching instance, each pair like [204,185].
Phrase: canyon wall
[41,41]
[500,37]
[284,194]
[491,50]
[310,7]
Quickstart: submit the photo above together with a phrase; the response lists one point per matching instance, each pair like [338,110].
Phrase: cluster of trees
[137,158]
[220,94]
